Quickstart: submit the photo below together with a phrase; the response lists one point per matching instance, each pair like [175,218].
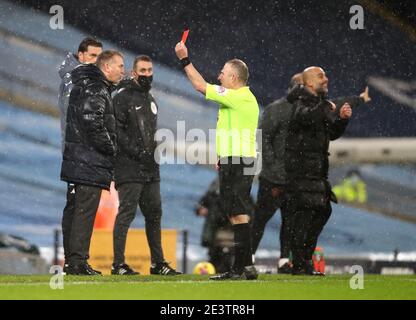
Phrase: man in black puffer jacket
[88,51]
[137,170]
[88,159]
[313,123]
[272,179]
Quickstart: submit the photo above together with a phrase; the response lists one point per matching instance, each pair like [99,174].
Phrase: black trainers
[285,269]
[163,269]
[123,270]
[81,269]
[308,271]
[248,273]
[229,275]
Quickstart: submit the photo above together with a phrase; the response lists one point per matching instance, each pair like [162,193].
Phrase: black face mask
[145,82]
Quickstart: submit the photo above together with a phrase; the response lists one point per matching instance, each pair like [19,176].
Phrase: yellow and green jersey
[237,121]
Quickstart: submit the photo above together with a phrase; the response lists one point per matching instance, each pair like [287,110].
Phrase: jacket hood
[69,64]
[88,71]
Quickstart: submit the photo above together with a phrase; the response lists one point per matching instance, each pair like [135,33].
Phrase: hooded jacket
[274,124]
[65,69]
[90,138]
[312,126]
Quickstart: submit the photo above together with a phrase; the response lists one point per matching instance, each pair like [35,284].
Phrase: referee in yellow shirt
[236,148]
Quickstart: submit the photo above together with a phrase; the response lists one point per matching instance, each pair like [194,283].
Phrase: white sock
[282,262]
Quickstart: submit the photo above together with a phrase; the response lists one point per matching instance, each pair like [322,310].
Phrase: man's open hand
[345,112]
[181,50]
[365,95]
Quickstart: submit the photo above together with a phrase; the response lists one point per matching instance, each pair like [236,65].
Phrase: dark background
[276,39]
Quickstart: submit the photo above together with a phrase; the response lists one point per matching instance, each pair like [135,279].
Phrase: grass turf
[268,287]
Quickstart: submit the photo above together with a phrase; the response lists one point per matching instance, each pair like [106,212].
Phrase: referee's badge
[221,90]
[153,107]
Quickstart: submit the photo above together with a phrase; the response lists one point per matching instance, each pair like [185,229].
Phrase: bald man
[314,122]
[272,179]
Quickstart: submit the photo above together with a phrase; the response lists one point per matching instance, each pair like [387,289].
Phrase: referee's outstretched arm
[194,76]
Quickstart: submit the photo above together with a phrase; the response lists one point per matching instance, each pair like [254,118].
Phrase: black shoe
[99,273]
[309,271]
[163,269]
[285,269]
[229,275]
[123,270]
[248,273]
[81,269]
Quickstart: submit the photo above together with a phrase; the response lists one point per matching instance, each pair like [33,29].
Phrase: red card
[185,36]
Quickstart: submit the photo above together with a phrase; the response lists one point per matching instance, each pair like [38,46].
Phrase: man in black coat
[88,51]
[272,179]
[137,176]
[313,123]
[88,159]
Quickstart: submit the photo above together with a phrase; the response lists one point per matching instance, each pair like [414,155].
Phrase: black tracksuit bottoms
[308,223]
[270,198]
[147,196]
[78,221]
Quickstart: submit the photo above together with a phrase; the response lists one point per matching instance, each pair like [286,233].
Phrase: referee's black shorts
[236,177]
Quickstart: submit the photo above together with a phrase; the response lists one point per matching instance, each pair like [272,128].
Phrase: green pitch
[269,287]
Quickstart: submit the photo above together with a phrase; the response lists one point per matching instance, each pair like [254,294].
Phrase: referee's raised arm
[194,76]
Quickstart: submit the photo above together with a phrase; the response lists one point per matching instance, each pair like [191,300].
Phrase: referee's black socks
[242,249]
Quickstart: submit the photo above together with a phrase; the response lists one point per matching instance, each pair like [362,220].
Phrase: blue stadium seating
[32,196]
